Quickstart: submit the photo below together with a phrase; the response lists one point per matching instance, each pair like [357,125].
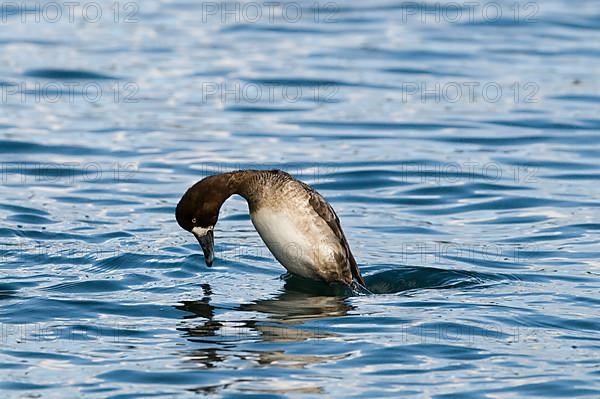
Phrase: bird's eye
[194,221]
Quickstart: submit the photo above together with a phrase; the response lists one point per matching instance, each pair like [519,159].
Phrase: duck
[296,223]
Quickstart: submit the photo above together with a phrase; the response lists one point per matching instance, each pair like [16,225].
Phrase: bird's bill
[205,237]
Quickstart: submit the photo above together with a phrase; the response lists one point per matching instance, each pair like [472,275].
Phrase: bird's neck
[246,183]
[252,185]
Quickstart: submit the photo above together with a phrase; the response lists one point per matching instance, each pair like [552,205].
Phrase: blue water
[474,215]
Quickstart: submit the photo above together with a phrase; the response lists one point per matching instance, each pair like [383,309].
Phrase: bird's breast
[298,240]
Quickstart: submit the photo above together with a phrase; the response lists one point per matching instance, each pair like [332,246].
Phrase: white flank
[287,241]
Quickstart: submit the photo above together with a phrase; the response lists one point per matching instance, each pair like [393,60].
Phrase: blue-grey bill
[207,243]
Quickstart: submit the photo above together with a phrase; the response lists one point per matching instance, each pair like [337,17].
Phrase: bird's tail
[359,289]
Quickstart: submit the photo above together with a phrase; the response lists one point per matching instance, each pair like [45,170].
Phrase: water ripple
[474,219]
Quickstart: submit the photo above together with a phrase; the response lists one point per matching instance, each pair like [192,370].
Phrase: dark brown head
[198,211]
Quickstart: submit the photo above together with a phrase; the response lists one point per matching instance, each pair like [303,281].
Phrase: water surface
[472,213]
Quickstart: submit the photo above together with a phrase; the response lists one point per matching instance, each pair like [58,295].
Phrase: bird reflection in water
[291,316]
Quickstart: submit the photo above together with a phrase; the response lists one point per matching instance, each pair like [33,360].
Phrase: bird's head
[198,212]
